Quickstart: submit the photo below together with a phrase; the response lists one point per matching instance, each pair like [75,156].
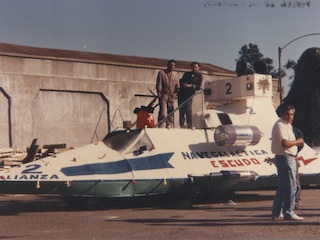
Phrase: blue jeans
[286,191]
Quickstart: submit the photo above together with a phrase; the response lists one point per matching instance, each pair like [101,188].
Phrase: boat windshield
[119,141]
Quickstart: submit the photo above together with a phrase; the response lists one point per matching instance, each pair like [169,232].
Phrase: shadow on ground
[14,204]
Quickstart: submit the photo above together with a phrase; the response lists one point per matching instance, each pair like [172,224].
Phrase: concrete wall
[68,101]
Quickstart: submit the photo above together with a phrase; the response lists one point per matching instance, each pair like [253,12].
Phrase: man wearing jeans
[285,146]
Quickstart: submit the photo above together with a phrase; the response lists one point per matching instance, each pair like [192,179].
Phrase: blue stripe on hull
[136,164]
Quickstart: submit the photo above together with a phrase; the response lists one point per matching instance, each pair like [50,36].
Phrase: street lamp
[279,54]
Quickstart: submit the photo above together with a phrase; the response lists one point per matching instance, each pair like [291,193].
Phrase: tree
[290,65]
[250,54]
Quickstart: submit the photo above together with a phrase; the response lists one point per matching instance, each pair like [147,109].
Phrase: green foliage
[251,53]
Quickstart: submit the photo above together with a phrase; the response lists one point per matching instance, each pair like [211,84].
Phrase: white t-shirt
[280,131]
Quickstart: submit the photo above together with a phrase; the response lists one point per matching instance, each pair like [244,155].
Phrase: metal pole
[280,76]
[182,104]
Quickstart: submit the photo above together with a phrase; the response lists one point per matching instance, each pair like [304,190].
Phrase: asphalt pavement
[246,215]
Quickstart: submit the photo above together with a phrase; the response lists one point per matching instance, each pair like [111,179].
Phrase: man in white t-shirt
[285,146]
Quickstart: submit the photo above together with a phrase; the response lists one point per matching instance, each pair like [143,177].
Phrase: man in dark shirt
[189,84]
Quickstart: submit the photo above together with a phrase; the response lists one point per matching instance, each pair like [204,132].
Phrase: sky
[208,31]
